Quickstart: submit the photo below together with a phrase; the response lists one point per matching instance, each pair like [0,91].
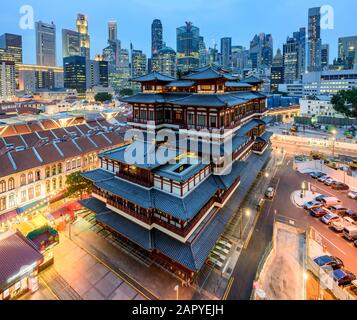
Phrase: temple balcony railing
[140,181]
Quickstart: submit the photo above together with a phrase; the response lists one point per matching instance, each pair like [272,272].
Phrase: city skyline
[130,30]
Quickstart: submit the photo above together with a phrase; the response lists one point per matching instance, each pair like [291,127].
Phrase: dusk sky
[239,19]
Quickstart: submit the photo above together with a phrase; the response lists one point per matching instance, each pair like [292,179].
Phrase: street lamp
[334,132]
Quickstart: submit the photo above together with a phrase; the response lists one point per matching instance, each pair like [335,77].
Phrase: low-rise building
[314,106]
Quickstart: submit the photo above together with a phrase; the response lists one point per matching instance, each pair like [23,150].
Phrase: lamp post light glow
[334,132]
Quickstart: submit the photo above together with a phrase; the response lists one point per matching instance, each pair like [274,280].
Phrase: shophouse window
[2,186]
[30,177]
[31,193]
[78,162]
[48,172]
[48,186]
[23,180]
[38,175]
[59,168]
[54,184]
[60,182]
[2,203]
[12,202]
[11,184]
[23,196]
[68,166]
[38,190]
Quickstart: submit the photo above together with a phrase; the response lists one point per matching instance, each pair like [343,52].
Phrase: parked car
[329,218]
[353,195]
[269,193]
[350,233]
[312,204]
[321,197]
[323,178]
[338,209]
[319,212]
[355,243]
[331,261]
[341,223]
[329,182]
[340,186]
[330,201]
[352,214]
[343,277]
[317,174]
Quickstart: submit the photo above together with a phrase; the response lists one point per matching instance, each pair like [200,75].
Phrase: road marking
[228,289]
[49,288]
[321,235]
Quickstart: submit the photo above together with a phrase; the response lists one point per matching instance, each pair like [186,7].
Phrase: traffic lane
[291,181]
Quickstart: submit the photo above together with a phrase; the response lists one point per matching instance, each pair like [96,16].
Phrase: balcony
[142,181]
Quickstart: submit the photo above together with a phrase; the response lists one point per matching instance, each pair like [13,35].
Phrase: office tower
[314,40]
[213,55]
[71,43]
[203,53]
[34,77]
[156,37]
[261,51]
[82,28]
[7,80]
[300,36]
[188,39]
[277,71]
[74,69]
[112,31]
[325,56]
[97,72]
[165,62]
[226,52]
[138,63]
[45,44]
[347,51]
[294,57]
[240,58]
[11,50]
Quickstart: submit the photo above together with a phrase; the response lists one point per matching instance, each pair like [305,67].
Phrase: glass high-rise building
[71,43]
[156,37]
[314,40]
[46,44]
[188,40]
[138,63]
[82,28]
[74,74]
[112,31]
[325,56]
[11,50]
[7,80]
[347,51]
[226,52]
[261,50]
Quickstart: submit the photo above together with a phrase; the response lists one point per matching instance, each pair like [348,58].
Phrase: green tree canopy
[77,186]
[126,92]
[345,102]
[103,96]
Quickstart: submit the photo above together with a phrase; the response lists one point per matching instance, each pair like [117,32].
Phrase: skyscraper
[11,50]
[82,28]
[166,62]
[314,39]
[325,56]
[45,44]
[347,51]
[226,52]
[203,53]
[74,74]
[7,80]
[71,43]
[156,37]
[138,63]
[188,39]
[277,71]
[291,60]
[112,31]
[261,51]
[97,72]
[300,36]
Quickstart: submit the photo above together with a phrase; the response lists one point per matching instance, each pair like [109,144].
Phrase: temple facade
[190,141]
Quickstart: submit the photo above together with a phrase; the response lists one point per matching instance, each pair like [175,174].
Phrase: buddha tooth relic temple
[164,192]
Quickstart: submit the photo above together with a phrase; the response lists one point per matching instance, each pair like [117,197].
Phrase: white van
[350,233]
[330,201]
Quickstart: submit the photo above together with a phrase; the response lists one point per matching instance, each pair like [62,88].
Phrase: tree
[126,92]
[77,186]
[103,96]
[345,102]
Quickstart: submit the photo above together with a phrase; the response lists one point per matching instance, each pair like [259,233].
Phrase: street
[289,181]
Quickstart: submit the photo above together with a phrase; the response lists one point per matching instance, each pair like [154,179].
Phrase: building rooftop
[209,74]
[16,254]
[154,76]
